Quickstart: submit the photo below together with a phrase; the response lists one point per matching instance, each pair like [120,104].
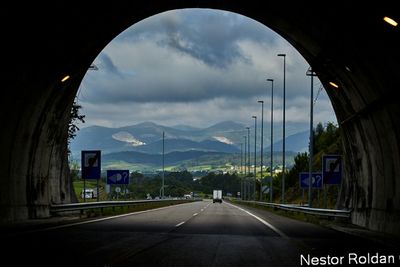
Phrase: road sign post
[332,169]
[91,164]
[91,168]
[316,180]
[118,177]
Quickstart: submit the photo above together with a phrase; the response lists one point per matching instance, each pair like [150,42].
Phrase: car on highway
[89,193]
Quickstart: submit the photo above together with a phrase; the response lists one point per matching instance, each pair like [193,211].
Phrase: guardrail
[106,204]
[307,210]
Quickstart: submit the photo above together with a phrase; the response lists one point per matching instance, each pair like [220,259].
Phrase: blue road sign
[117,176]
[91,164]
[316,177]
[332,169]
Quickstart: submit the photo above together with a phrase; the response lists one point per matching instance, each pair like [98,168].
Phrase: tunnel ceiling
[65,38]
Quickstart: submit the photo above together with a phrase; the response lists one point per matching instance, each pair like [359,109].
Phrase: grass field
[123,165]
[144,168]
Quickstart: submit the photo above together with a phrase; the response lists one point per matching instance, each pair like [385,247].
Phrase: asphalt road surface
[194,234]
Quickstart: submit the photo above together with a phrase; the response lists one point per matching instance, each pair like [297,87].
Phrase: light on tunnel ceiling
[390,21]
[65,78]
[334,84]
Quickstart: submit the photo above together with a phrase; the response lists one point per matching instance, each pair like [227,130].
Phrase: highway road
[194,234]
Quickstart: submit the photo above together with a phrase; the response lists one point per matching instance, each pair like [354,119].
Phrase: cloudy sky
[197,67]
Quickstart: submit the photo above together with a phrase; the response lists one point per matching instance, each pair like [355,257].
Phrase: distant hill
[146,137]
[224,127]
[169,158]
[296,142]
[187,145]
[184,127]
[97,137]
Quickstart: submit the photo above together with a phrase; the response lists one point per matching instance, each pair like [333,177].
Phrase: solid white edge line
[195,214]
[279,232]
[102,219]
[179,224]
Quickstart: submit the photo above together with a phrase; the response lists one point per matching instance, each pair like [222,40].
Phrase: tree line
[180,183]
[327,140]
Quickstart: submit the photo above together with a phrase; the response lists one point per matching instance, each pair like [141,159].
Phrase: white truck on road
[217,196]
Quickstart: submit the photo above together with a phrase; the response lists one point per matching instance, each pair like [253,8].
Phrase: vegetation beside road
[185,181]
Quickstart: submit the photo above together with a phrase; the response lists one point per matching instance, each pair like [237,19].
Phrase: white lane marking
[179,224]
[202,210]
[103,219]
[195,214]
[279,232]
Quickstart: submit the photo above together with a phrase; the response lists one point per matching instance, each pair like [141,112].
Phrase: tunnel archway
[342,45]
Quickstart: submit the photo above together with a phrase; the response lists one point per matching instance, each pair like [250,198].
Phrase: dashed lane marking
[104,219]
[179,224]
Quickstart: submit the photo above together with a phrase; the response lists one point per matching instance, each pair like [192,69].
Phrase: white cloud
[142,76]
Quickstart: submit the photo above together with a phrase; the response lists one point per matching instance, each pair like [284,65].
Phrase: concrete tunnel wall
[33,159]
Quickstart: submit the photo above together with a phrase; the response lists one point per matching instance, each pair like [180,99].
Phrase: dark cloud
[214,43]
[107,64]
[195,66]
[169,87]
[203,34]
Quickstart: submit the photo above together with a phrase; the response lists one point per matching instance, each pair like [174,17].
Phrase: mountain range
[146,138]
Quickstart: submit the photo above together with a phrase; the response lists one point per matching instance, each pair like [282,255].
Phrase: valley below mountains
[140,146]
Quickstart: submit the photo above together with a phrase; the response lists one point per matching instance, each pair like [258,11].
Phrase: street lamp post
[245,168]
[272,136]
[283,132]
[248,159]
[262,143]
[241,158]
[255,156]
[248,150]
[245,155]
[311,73]
[163,169]
[241,170]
